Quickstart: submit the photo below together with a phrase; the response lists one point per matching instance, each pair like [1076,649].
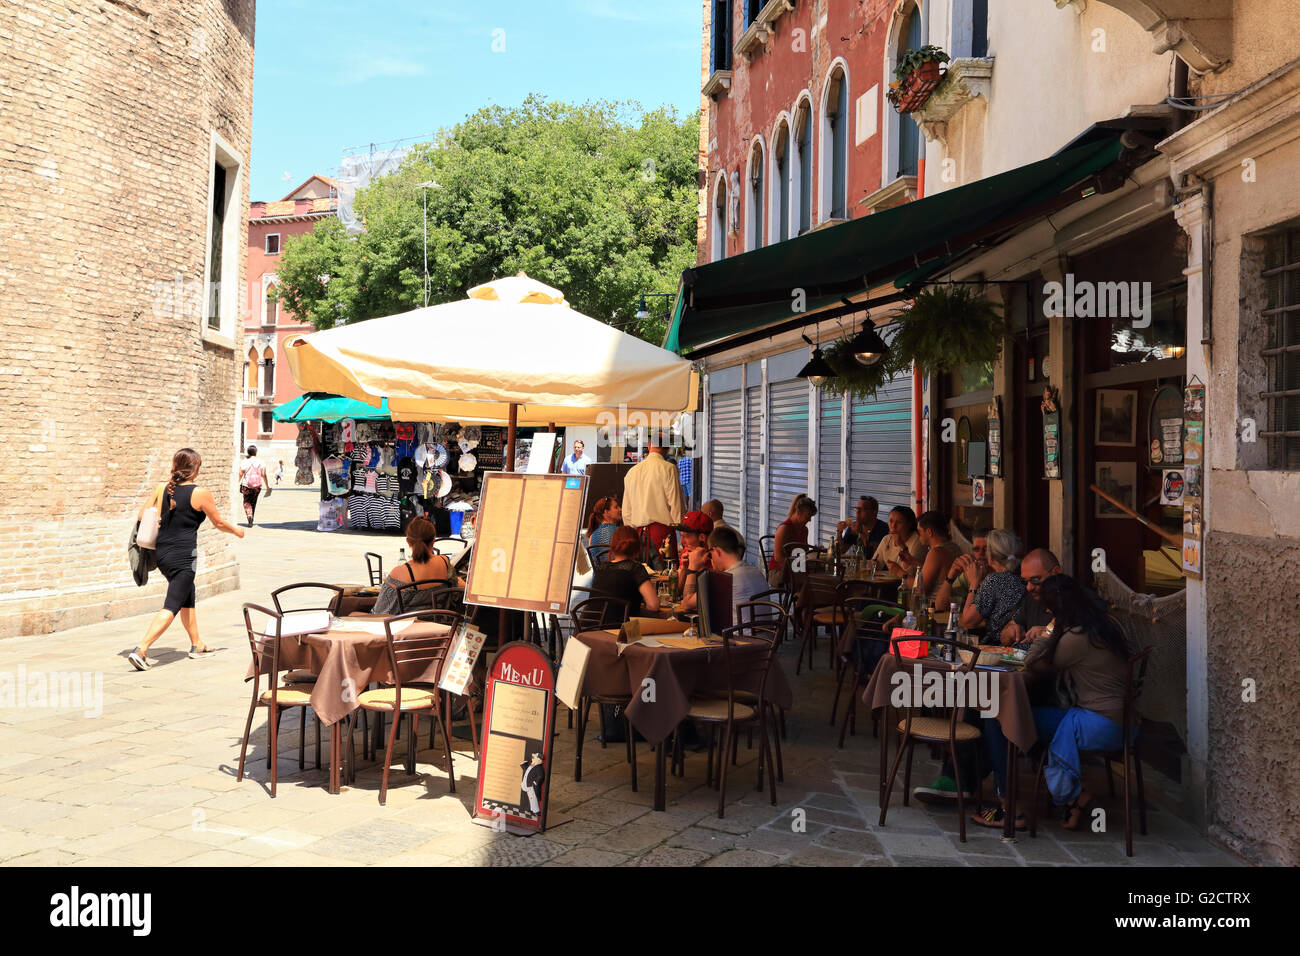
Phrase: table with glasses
[1015,715]
[348,657]
[679,673]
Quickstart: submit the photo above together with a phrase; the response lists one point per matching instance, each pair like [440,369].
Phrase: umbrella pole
[503,622]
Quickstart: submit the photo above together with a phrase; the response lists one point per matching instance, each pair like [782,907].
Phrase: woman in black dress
[183,508]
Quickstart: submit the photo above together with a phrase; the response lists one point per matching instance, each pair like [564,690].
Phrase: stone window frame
[1255,370]
[266,247]
[226,285]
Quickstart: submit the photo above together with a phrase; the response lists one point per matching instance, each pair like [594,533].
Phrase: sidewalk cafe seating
[300,612]
[411,652]
[946,730]
[264,642]
[375,568]
[862,616]
[594,614]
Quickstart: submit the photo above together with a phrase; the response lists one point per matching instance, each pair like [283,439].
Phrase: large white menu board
[527,539]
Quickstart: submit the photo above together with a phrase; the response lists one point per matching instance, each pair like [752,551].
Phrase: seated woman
[902,549]
[426,566]
[794,529]
[1089,651]
[606,517]
[996,592]
[622,576]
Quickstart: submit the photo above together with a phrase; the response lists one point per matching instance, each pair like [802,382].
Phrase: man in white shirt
[652,496]
[576,464]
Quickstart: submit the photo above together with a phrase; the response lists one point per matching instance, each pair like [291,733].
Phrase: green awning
[323,407]
[755,290]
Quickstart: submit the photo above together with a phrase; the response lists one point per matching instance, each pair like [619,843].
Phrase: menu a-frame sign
[527,540]
[514,778]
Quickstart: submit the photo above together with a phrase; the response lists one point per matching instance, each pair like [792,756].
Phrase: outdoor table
[678,673]
[345,662]
[357,599]
[1014,715]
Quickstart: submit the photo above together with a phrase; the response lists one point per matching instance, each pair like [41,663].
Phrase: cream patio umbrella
[513,350]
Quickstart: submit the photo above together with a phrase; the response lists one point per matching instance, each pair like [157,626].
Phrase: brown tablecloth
[679,674]
[345,662]
[1014,712]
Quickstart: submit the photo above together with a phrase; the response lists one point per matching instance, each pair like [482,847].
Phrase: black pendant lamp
[818,370]
[868,347]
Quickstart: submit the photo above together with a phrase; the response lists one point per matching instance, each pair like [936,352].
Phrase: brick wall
[106,115]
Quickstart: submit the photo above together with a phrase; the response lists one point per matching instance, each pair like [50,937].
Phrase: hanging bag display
[147,534]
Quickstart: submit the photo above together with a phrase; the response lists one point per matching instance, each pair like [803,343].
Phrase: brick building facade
[124,150]
[267,382]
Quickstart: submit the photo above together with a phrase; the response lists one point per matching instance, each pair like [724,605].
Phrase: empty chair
[375,568]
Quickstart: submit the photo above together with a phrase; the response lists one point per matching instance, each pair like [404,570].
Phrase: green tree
[598,200]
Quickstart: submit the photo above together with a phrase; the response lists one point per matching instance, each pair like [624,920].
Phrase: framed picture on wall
[1119,480]
[1116,419]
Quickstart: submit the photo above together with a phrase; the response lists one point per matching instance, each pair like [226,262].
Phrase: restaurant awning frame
[750,296]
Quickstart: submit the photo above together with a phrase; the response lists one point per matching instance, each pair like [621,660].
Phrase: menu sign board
[515,755]
[527,538]
[1194,461]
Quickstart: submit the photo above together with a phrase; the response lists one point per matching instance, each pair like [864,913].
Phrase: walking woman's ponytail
[185,465]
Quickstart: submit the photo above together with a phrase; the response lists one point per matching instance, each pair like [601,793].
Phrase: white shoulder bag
[147,535]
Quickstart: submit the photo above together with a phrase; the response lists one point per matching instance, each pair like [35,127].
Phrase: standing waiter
[652,495]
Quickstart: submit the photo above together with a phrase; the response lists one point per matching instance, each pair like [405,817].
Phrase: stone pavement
[151,779]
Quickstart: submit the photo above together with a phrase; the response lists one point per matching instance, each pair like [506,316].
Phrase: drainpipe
[918,438]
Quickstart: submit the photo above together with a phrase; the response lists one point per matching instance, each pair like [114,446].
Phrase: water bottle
[909,621]
[401,555]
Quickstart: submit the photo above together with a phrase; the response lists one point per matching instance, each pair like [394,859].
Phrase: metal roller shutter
[830,453]
[753,467]
[787,451]
[880,446]
[724,451]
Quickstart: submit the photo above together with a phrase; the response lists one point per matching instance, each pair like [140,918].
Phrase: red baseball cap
[697,522]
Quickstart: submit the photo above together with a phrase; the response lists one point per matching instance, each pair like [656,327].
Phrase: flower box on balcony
[915,78]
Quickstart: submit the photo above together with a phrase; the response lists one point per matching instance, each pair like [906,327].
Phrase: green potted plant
[915,78]
[947,327]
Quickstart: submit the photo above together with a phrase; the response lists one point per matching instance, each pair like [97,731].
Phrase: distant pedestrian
[182,507]
[279,471]
[252,477]
[576,464]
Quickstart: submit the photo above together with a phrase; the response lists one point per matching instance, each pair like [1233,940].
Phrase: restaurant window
[1281,352]
[754,230]
[780,185]
[268,373]
[720,32]
[835,146]
[801,170]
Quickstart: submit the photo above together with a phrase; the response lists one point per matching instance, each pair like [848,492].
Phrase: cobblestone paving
[151,779]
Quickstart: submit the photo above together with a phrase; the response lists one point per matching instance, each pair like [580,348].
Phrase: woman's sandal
[995,818]
[201,652]
[1068,819]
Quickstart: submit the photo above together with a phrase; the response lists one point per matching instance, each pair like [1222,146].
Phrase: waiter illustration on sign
[531,784]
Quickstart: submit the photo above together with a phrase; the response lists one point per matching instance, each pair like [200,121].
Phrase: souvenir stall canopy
[512,351]
[323,407]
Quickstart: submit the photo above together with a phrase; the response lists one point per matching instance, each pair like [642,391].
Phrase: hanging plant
[853,378]
[946,327]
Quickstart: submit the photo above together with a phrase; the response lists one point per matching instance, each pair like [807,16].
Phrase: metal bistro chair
[450,546]
[298,606]
[765,545]
[375,567]
[869,644]
[596,554]
[411,647]
[265,646]
[946,731]
[1130,756]
[595,614]
[748,651]
[407,592]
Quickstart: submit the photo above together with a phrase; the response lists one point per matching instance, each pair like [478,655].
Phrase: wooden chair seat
[300,676]
[288,697]
[385,698]
[829,617]
[936,729]
[717,710]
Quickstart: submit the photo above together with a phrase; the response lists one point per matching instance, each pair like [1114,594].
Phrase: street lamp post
[425,187]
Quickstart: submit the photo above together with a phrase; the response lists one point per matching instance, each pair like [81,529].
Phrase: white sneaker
[138,661]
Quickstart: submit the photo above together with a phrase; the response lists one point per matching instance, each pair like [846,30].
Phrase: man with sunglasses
[1037,567]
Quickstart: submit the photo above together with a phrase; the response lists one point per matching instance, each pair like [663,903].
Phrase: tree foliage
[598,200]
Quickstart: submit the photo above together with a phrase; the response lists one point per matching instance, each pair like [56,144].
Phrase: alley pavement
[147,775]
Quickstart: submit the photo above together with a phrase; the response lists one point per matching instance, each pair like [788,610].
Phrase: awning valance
[323,407]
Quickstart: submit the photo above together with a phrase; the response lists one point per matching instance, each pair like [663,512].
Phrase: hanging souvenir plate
[444,484]
[468,462]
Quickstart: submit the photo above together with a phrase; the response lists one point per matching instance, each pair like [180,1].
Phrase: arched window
[833,178]
[271,305]
[801,169]
[250,370]
[268,372]
[720,219]
[909,134]
[779,219]
[754,199]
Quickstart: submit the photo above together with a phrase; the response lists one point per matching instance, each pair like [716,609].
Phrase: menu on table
[527,541]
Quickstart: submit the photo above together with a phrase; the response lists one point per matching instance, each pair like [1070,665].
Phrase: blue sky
[330,74]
